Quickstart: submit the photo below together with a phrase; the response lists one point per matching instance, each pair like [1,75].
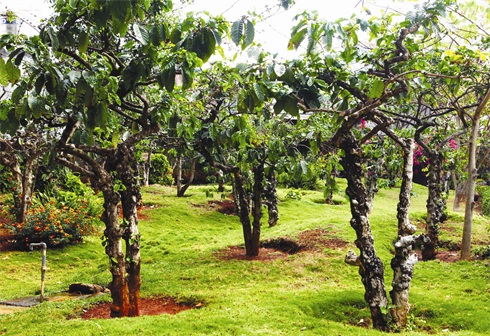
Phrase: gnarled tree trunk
[435,206]
[403,262]
[370,265]
[182,189]
[257,208]
[244,213]
[270,194]
[371,181]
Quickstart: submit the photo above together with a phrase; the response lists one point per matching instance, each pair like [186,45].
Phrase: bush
[6,181]
[484,192]
[294,194]
[160,170]
[75,195]
[55,227]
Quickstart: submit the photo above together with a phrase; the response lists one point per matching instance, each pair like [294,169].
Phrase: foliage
[72,194]
[6,182]
[160,171]
[56,227]
[484,192]
[295,194]
[482,252]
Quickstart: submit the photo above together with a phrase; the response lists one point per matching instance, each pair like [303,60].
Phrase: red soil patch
[140,215]
[316,240]
[238,253]
[445,256]
[225,207]
[148,306]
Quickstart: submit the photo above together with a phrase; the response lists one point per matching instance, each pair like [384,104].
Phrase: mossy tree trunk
[370,265]
[271,197]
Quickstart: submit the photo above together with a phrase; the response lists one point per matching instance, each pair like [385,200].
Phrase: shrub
[6,181]
[73,194]
[160,170]
[484,192]
[294,194]
[55,227]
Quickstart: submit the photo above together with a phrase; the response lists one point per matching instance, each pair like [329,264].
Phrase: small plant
[209,194]
[294,194]
[484,192]
[482,252]
[55,227]
[160,170]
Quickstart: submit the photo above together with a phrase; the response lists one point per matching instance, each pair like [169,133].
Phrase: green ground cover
[304,294]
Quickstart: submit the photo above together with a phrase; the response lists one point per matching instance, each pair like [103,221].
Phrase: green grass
[304,294]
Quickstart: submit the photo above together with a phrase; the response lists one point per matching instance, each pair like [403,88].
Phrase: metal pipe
[43,267]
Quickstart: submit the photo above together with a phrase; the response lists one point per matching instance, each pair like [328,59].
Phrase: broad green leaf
[279,69]
[258,92]
[249,34]
[74,76]
[163,32]
[38,86]
[237,31]
[327,39]
[18,94]
[115,137]
[141,33]
[4,76]
[155,35]
[83,41]
[279,105]
[168,79]
[55,44]
[73,3]
[19,57]
[291,106]
[101,115]
[119,9]
[36,104]
[377,89]
[12,71]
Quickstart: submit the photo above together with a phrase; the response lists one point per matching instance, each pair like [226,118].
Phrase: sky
[272,33]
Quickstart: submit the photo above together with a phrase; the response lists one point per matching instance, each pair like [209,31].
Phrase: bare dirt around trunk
[148,306]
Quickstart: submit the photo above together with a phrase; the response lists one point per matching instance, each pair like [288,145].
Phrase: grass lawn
[304,294]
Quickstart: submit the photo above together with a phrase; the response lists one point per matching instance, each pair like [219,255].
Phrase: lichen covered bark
[371,267]
[403,262]
[271,197]
[435,206]
[371,181]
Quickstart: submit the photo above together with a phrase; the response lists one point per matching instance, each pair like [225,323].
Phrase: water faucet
[43,267]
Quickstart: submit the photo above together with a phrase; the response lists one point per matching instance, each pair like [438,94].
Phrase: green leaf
[141,33]
[36,105]
[187,75]
[38,86]
[249,34]
[258,92]
[73,3]
[119,9]
[18,94]
[279,105]
[377,89]
[74,76]
[55,44]
[4,76]
[101,115]
[291,106]
[83,41]
[12,71]
[279,69]
[163,32]
[168,79]
[19,57]
[115,137]
[237,31]
[328,40]
[155,35]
